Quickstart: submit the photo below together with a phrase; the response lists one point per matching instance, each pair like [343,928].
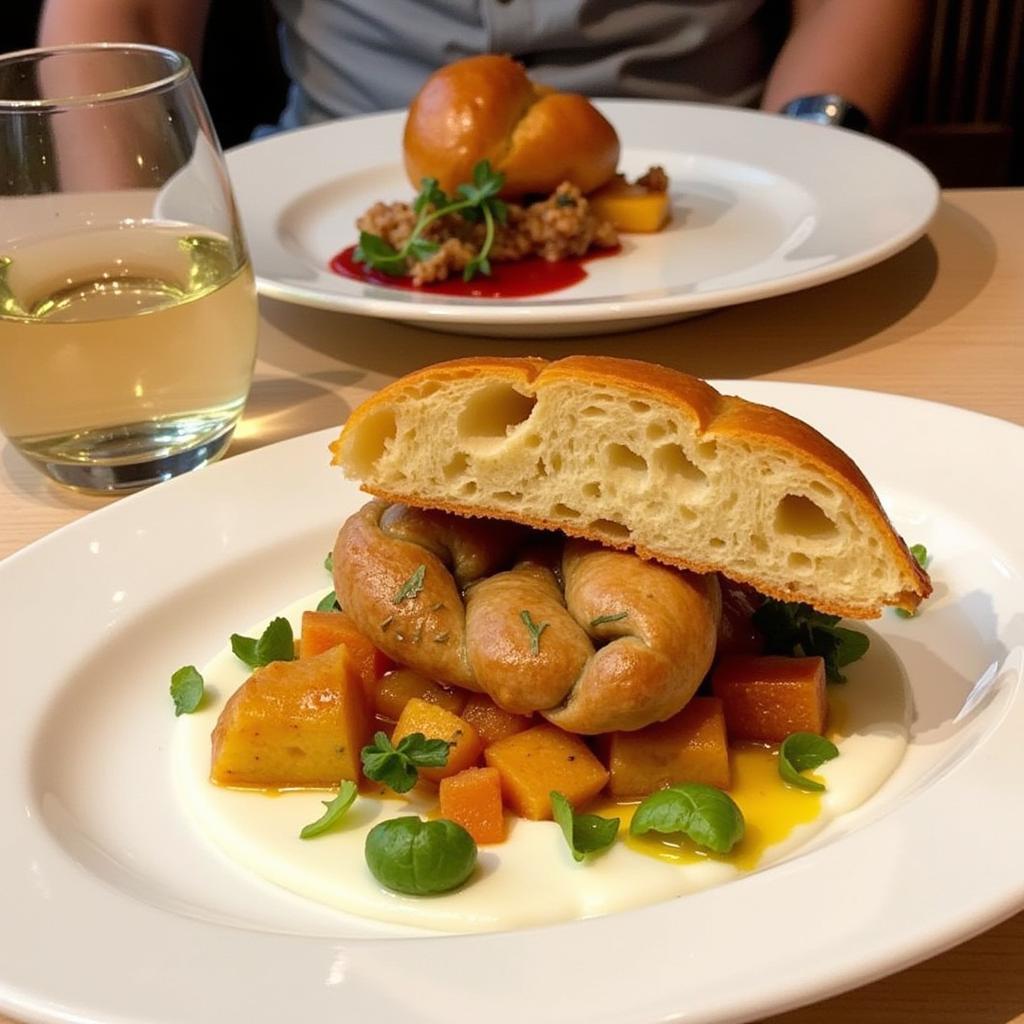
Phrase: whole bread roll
[637,456]
[487,108]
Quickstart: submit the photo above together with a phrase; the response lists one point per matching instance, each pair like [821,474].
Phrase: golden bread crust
[486,108]
[714,416]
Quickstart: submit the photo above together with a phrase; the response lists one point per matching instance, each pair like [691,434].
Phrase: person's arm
[861,49]
[177,24]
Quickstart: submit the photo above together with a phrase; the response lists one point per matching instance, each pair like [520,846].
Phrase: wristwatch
[828,108]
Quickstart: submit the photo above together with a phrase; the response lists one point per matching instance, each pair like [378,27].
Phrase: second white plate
[762,205]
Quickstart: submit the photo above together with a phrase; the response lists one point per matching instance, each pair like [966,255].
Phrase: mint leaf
[585,833]
[328,603]
[804,751]
[705,814]
[276,643]
[187,689]
[336,809]
[412,586]
[397,766]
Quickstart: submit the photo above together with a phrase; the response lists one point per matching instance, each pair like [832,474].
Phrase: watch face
[828,108]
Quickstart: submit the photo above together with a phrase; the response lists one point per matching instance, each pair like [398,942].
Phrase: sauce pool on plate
[516,280]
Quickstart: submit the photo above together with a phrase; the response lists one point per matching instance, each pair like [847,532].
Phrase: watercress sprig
[475,201]
[397,765]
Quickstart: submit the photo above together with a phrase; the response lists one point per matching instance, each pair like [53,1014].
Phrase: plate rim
[485,313]
[957,928]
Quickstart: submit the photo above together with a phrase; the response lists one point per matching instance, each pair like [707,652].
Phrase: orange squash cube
[490,721]
[437,723]
[293,723]
[534,762]
[323,630]
[767,698]
[397,688]
[472,799]
[689,747]
[631,207]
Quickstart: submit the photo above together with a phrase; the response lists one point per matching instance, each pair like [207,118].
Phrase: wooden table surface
[944,320]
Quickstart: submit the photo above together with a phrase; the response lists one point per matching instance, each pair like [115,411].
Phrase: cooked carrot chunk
[534,762]
[767,698]
[324,630]
[472,799]
[689,747]
[293,723]
[437,723]
[490,721]
[397,688]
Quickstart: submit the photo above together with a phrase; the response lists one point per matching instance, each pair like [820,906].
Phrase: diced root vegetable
[767,698]
[293,723]
[323,630]
[437,723]
[534,762]
[472,799]
[631,207]
[397,688]
[490,721]
[689,747]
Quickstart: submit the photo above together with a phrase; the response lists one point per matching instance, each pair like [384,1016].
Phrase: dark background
[964,115]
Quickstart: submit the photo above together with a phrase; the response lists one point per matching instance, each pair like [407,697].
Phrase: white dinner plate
[116,910]
[762,205]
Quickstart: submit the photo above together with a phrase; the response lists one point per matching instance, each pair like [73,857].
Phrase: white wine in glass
[128,312]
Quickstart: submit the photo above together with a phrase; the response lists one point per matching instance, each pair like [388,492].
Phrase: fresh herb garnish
[328,603]
[397,766]
[706,815]
[412,586]
[797,629]
[535,631]
[186,690]
[585,833]
[276,643]
[476,201]
[804,751]
[420,857]
[329,561]
[920,553]
[336,809]
[602,619]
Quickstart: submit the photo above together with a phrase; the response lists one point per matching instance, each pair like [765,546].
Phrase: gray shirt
[356,56]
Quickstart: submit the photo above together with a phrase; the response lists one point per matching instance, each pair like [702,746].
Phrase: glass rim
[179,69]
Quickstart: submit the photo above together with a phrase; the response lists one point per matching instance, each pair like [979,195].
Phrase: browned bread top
[635,455]
[487,108]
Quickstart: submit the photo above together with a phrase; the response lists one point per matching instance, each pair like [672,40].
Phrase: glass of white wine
[128,315]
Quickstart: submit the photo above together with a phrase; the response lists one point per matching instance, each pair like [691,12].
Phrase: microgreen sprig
[475,201]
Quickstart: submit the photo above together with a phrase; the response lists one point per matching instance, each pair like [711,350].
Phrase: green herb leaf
[329,561]
[412,586]
[187,689]
[535,631]
[798,630]
[419,857]
[397,766]
[430,194]
[603,619]
[276,643]
[705,814]
[336,809]
[804,751]
[375,252]
[585,833]
[563,200]
[328,603]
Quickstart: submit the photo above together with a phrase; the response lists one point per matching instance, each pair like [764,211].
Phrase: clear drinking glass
[128,311]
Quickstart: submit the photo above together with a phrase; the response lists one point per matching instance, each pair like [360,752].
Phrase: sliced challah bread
[635,455]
